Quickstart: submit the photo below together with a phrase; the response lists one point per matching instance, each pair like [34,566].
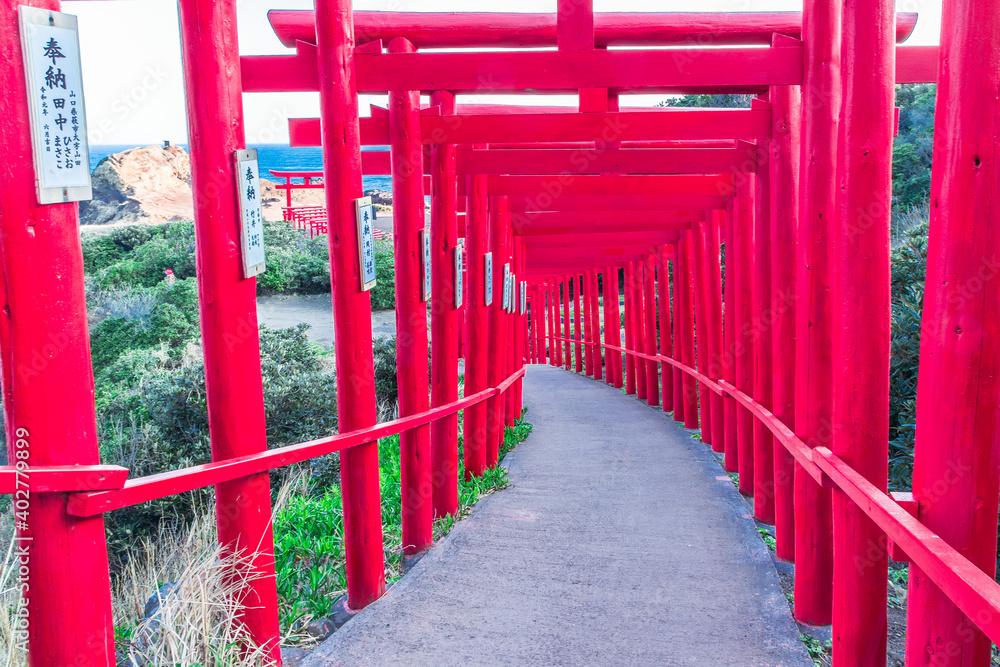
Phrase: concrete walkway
[619,542]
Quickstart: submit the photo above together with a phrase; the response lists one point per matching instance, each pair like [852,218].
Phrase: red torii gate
[837,375]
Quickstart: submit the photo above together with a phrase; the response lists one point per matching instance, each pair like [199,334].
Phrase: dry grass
[10,597]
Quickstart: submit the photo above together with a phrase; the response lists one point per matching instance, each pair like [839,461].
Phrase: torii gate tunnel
[785,368]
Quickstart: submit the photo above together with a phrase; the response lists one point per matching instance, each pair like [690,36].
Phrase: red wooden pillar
[595,327]
[690,388]
[713,323]
[48,387]
[444,317]
[784,166]
[477,330]
[701,336]
[630,378]
[351,307]
[616,326]
[821,32]
[411,312]
[499,221]
[863,328]
[521,330]
[678,338]
[741,272]
[578,325]
[666,333]
[638,330]
[732,458]
[227,304]
[763,441]
[533,325]
[567,321]
[652,371]
[508,342]
[588,322]
[542,318]
[609,354]
[553,297]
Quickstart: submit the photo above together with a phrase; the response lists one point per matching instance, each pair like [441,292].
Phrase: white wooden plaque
[51,45]
[365,213]
[459,274]
[524,296]
[251,223]
[506,285]
[488,259]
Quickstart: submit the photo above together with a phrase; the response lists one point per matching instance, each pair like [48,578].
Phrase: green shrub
[172,247]
[384,293]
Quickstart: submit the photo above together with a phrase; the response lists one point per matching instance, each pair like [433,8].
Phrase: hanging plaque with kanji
[251,224]
[366,241]
[51,45]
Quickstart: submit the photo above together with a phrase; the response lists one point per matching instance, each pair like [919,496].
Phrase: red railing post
[821,32]
[567,321]
[630,374]
[444,317]
[784,165]
[521,330]
[763,441]
[616,326]
[227,302]
[48,388]
[553,331]
[732,458]
[863,328]
[741,272]
[713,314]
[351,307]
[702,345]
[666,333]
[690,395]
[652,372]
[499,221]
[588,324]
[411,311]
[477,325]
[609,366]
[678,337]
[595,314]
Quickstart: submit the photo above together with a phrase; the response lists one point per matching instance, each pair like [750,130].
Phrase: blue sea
[269,156]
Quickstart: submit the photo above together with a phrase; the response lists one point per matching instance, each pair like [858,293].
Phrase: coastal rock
[151,184]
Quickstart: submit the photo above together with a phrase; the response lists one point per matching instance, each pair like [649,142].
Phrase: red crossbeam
[594,161]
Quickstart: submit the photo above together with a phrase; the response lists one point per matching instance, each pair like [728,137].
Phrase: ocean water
[269,156]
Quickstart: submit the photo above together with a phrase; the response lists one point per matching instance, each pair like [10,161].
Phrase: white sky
[132,64]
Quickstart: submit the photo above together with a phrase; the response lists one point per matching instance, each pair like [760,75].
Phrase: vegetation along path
[620,541]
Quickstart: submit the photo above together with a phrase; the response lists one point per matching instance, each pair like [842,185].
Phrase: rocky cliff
[151,184]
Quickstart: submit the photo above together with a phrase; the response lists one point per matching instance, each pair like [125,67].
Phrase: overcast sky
[132,64]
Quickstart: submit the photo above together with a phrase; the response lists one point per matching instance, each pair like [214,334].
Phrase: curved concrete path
[619,542]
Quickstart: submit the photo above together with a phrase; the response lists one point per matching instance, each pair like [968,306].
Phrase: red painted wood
[638,328]
[730,408]
[227,303]
[713,308]
[161,485]
[477,328]
[577,284]
[956,474]
[611,185]
[588,324]
[526,223]
[702,344]
[678,339]
[499,220]
[814,346]
[575,25]
[630,372]
[551,342]
[666,331]
[57,479]
[763,442]
[784,165]
[741,272]
[917,64]
[595,327]
[495,29]
[48,385]
[411,311]
[863,295]
[567,321]
[649,322]
[545,202]
[616,327]
[607,305]
[600,161]
[351,307]
[686,328]
[444,319]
